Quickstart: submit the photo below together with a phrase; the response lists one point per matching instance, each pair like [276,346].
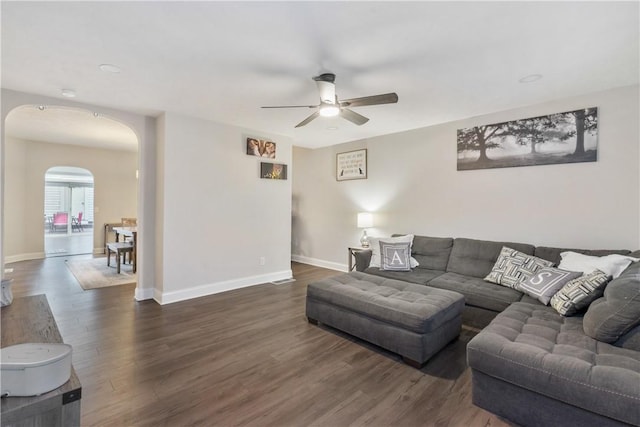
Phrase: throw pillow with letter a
[395,256]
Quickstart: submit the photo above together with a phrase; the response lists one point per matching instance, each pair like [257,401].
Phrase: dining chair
[129,222]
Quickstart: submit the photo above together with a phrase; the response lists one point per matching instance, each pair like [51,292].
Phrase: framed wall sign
[351,165]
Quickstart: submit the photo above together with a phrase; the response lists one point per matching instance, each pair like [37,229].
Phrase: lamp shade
[365,220]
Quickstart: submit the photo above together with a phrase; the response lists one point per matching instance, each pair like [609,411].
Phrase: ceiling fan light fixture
[329,110]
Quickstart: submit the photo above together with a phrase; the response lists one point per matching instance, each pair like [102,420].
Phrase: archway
[68,211]
[39,137]
[144,128]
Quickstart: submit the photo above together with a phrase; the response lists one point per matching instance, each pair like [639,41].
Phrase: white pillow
[374,245]
[612,265]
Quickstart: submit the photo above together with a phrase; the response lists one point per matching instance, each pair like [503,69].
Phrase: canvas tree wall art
[569,137]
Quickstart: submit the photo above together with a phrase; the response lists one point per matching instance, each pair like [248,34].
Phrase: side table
[352,255]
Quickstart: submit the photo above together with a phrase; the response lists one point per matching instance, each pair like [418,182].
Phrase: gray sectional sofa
[530,364]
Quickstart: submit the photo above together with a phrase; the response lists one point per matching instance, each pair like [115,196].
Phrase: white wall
[414,187]
[217,217]
[115,187]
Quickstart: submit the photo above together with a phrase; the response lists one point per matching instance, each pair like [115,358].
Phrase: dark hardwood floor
[245,357]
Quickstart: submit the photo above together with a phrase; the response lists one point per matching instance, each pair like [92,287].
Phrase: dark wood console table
[29,319]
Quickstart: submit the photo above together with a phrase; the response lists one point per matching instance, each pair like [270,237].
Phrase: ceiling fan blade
[353,117]
[385,98]
[292,106]
[308,119]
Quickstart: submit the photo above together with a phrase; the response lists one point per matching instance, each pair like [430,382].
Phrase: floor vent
[283,281]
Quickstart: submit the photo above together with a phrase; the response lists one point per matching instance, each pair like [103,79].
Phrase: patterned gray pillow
[395,256]
[546,282]
[579,293]
[513,267]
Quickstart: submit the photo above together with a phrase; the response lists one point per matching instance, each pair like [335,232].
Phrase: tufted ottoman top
[416,308]
[533,347]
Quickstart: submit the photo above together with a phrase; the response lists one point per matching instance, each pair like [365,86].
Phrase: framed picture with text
[351,165]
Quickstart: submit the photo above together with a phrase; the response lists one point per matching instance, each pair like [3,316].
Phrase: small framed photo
[351,165]
[273,170]
[261,148]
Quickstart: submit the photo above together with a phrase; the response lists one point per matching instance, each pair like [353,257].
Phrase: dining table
[133,233]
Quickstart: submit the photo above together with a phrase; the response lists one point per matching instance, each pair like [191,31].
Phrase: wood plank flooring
[246,357]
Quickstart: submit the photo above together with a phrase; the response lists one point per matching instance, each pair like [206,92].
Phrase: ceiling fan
[330,105]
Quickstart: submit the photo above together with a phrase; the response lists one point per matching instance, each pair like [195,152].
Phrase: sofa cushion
[419,276]
[363,258]
[546,282]
[395,256]
[417,308]
[512,267]
[477,292]
[374,242]
[630,340]
[533,347]
[576,295]
[553,254]
[618,311]
[432,252]
[476,258]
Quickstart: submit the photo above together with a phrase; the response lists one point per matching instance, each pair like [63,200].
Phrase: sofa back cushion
[553,254]
[432,252]
[476,258]
[614,315]
[630,340]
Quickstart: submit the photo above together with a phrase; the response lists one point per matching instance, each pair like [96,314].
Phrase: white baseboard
[214,288]
[143,294]
[320,263]
[98,251]
[23,257]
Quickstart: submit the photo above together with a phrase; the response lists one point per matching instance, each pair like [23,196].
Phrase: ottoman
[414,321]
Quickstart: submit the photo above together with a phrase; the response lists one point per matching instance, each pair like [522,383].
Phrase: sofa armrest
[362,259]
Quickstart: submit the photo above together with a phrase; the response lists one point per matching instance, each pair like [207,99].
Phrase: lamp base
[364,240]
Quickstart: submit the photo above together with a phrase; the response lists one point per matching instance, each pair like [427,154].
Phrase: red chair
[60,219]
[77,222]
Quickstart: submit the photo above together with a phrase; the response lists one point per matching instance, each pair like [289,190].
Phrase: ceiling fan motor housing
[326,77]
[326,88]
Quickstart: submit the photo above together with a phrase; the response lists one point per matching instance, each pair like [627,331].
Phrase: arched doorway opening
[68,211]
[40,137]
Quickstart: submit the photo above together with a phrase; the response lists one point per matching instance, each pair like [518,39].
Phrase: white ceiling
[221,61]
[70,126]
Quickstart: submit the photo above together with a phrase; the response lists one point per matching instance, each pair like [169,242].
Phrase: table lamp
[365,220]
